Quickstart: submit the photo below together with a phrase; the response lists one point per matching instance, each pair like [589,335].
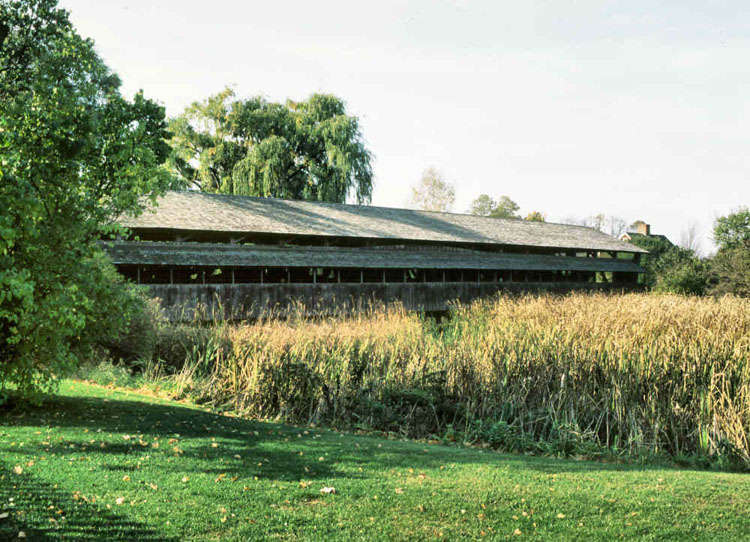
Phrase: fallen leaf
[17,469]
[21,534]
[185,479]
[119,500]
[4,515]
[399,491]
[517,532]
[215,445]
[126,478]
[560,516]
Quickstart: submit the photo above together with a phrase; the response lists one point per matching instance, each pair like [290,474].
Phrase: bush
[679,271]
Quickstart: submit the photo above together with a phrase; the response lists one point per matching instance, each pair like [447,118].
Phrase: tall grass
[631,374]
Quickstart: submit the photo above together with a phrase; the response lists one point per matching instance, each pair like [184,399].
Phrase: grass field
[101,464]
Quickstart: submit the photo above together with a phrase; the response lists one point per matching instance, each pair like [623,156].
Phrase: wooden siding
[210,301]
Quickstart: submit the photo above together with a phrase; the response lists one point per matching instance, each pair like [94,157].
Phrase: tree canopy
[504,207]
[433,192]
[74,154]
[730,267]
[308,150]
[733,230]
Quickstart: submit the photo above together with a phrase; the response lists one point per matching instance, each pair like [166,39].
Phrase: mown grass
[586,374]
[180,472]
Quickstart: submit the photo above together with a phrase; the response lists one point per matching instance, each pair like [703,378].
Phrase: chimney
[643,228]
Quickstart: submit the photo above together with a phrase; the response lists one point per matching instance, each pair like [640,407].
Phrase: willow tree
[310,150]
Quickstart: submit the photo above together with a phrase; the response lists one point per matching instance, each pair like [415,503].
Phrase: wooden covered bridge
[246,255]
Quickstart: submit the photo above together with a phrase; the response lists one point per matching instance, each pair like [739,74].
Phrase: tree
[535,216]
[733,230]
[657,247]
[74,155]
[504,207]
[309,150]
[730,267]
[680,271]
[689,237]
[482,206]
[617,226]
[730,272]
[433,192]
[597,221]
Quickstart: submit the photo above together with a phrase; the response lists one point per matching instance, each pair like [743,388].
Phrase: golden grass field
[634,374]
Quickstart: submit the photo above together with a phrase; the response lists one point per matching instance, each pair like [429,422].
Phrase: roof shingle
[199,211]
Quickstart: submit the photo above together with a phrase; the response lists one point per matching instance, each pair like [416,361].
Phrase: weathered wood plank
[184,302]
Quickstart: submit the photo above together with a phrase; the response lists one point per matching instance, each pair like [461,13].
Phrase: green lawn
[99,464]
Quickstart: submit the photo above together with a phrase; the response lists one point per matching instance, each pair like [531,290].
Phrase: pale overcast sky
[633,108]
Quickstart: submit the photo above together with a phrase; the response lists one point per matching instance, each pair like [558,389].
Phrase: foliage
[482,206]
[309,150]
[535,216]
[74,154]
[730,267]
[104,464]
[657,247]
[433,192]
[504,207]
[585,368]
[680,271]
[733,230]
[730,271]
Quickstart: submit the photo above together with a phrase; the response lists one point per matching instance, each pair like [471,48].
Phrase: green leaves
[733,230]
[74,155]
[308,150]
[504,207]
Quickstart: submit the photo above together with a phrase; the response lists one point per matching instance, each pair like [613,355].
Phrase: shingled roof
[199,211]
[204,254]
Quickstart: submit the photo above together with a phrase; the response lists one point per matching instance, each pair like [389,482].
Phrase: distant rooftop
[200,211]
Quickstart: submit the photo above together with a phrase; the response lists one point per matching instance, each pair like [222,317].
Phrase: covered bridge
[245,255]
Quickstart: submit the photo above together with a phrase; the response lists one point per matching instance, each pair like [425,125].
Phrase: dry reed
[634,373]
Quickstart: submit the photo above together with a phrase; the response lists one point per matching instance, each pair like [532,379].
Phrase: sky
[636,109]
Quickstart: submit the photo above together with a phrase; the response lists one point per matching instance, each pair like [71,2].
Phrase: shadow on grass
[276,446]
[45,512]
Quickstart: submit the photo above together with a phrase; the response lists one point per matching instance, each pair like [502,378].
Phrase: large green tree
[74,154]
[309,150]
[730,267]
[733,230]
